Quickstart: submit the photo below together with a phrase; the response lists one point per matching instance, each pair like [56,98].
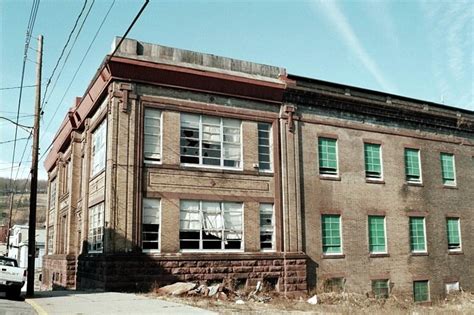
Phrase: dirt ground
[344,303]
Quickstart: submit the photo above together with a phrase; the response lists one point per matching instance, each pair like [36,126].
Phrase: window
[334,285]
[447,169]
[380,288]
[151,224]
[454,234]
[65,177]
[264,147]
[421,291]
[327,156]
[152,135]
[267,227]
[52,194]
[98,148]
[50,239]
[211,141]
[377,241]
[412,166]
[206,225]
[452,287]
[373,158]
[96,228]
[331,229]
[417,235]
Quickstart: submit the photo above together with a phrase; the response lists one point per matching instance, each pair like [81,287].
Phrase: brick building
[177,165]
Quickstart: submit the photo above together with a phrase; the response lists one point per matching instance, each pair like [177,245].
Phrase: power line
[29,31]
[16,123]
[8,141]
[62,52]
[16,87]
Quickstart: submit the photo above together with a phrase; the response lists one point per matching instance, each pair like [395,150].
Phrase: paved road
[74,302]
[11,307]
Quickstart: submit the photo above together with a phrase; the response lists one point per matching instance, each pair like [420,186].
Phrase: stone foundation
[141,272]
[59,272]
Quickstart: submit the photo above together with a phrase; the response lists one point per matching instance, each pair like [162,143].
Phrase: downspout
[284,198]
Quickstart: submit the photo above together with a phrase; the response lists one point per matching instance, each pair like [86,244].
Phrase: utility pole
[30,286]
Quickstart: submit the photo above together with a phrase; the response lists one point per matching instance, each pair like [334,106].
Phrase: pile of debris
[221,291]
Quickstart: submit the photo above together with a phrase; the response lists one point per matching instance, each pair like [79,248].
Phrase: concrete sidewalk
[77,302]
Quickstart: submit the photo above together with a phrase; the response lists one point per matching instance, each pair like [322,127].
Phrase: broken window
[334,285]
[152,135]
[99,148]
[380,288]
[211,141]
[327,149]
[151,224]
[96,228]
[207,225]
[267,227]
[452,287]
[264,146]
[454,234]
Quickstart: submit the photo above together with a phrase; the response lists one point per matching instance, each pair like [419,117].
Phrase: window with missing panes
[210,226]
[264,147]
[99,148]
[331,233]
[380,288]
[267,227]
[373,160]
[454,234]
[377,241]
[412,166]
[421,291]
[152,135]
[447,169]
[327,151]
[417,234]
[151,224]
[211,141]
[96,228]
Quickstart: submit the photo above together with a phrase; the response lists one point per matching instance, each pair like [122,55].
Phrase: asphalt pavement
[15,307]
[77,302]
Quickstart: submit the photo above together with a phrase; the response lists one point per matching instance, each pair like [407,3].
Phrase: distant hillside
[21,203]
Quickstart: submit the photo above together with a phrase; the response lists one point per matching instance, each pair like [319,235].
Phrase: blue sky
[419,49]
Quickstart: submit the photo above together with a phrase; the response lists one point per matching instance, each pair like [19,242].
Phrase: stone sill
[374,181]
[420,254]
[455,252]
[338,256]
[329,177]
[202,169]
[450,187]
[414,184]
[381,255]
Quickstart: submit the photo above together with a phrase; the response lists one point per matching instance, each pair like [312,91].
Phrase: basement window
[210,141]
[267,227]
[452,287]
[96,228]
[152,135]
[151,224]
[380,288]
[421,291]
[210,226]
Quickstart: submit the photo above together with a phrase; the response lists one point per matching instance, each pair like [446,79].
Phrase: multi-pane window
[52,194]
[211,141]
[264,147]
[208,225]
[421,291]
[151,224]
[454,234]
[331,232]
[96,228]
[267,227]
[373,160]
[447,169]
[380,288]
[412,166]
[152,135]
[99,148]
[377,240]
[327,149]
[417,234]
[50,239]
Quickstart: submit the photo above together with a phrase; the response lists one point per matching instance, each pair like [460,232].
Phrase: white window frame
[452,287]
[97,166]
[424,235]
[50,237]
[420,181]
[340,236]
[96,224]
[201,249]
[52,187]
[157,250]
[381,179]
[460,236]
[338,172]
[455,181]
[152,160]
[385,234]
[270,147]
[221,166]
[272,249]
